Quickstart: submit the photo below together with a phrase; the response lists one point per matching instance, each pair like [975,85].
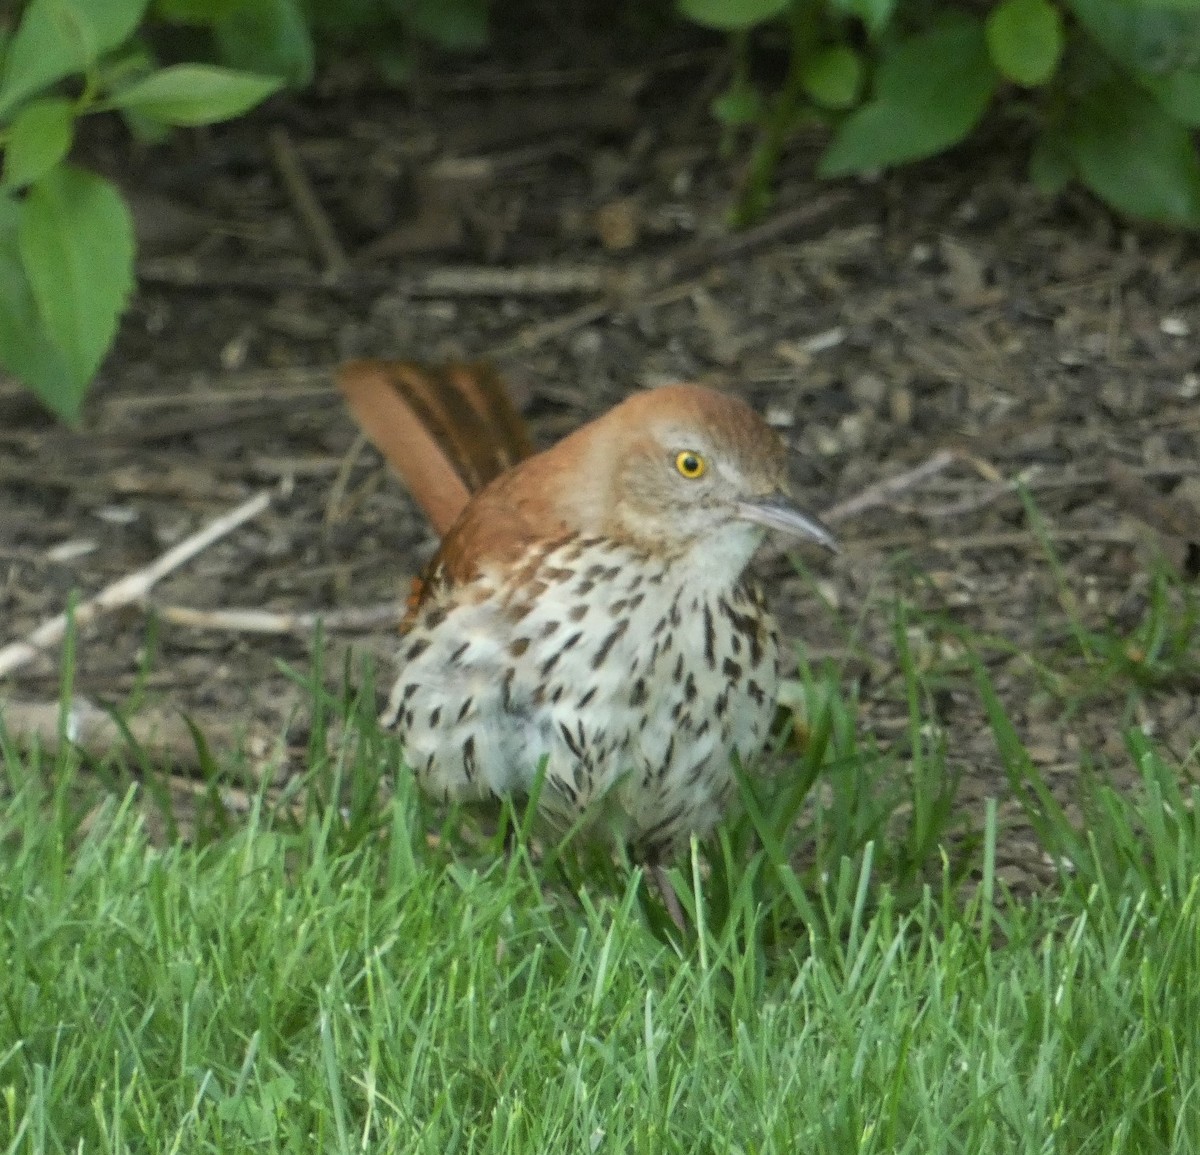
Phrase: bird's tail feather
[447,430]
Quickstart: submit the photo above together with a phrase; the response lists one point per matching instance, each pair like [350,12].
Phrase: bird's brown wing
[447,430]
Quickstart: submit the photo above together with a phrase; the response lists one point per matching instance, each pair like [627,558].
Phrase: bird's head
[686,470]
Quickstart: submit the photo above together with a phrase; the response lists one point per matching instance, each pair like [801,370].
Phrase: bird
[589,620]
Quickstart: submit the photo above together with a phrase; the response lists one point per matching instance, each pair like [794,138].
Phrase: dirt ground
[569,225]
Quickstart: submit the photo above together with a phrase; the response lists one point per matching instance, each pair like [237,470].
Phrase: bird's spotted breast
[634,680]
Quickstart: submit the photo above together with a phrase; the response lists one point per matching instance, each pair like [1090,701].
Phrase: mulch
[570,225]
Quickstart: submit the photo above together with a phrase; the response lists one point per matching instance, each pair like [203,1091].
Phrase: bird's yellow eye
[690,465]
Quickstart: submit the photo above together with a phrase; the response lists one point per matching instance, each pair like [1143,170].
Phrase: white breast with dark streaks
[637,699]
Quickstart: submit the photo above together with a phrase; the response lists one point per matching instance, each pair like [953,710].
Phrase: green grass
[326,977]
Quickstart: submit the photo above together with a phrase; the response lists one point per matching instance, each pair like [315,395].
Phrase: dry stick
[168,737]
[662,282]
[704,254]
[1004,539]
[253,621]
[532,336]
[544,280]
[266,278]
[882,492]
[337,492]
[971,503]
[268,622]
[306,204]
[131,588]
[162,736]
[1170,516]
[622,285]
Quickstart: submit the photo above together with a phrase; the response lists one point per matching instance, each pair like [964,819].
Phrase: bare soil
[570,225]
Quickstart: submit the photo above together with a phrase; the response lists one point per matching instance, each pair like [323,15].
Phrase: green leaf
[76,242]
[349,20]
[268,36]
[1178,94]
[39,137]
[143,129]
[129,63]
[26,350]
[1025,38]
[194,94]
[875,14]
[197,11]
[731,14]
[930,91]
[833,78]
[59,37]
[1131,153]
[456,24]
[1149,38]
[740,104]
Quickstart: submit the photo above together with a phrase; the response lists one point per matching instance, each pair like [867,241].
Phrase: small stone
[826,441]
[852,430]
[617,224]
[1114,396]
[780,416]
[830,592]
[70,550]
[234,353]
[116,514]
[869,390]
[819,342]
[964,270]
[1188,491]
[1174,326]
[440,310]
[901,405]
[586,343]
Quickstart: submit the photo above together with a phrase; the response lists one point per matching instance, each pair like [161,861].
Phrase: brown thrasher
[589,606]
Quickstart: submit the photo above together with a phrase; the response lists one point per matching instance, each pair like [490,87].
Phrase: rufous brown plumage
[590,606]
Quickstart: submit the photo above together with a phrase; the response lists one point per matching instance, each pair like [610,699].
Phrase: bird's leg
[667,889]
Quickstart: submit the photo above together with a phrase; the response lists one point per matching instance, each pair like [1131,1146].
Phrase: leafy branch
[1111,86]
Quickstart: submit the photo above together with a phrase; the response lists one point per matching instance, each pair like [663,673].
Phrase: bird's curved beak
[778,511]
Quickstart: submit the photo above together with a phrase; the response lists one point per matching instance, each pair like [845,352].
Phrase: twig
[704,254]
[1004,539]
[534,335]
[973,502]
[95,731]
[251,388]
[536,280]
[1167,515]
[306,203]
[131,588]
[520,281]
[337,491]
[970,503]
[538,334]
[269,277]
[883,491]
[359,618]
[622,285]
[164,737]
[665,280]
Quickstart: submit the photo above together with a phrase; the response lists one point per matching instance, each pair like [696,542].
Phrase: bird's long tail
[447,430]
